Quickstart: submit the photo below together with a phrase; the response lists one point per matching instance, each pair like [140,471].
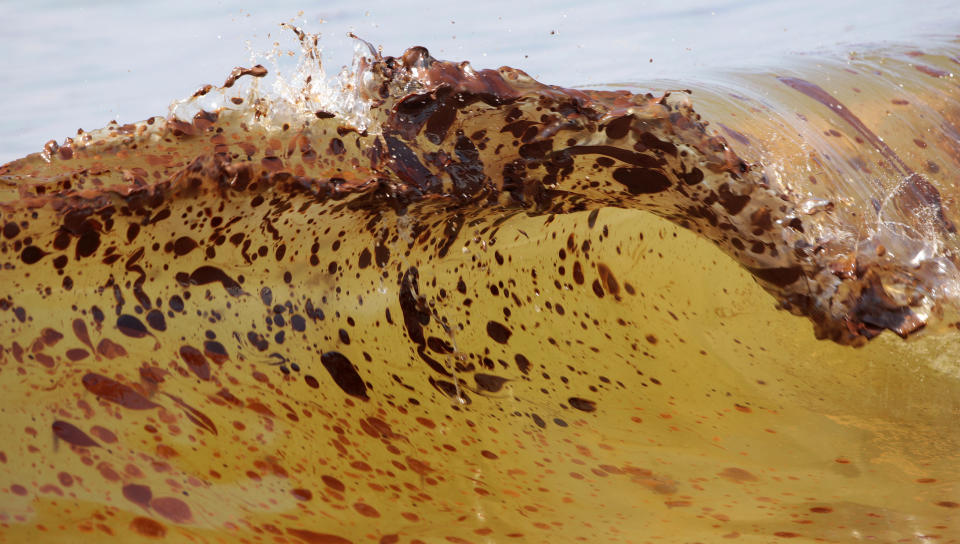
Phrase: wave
[317,264]
[851,236]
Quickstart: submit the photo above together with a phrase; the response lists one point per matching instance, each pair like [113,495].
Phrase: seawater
[257,321]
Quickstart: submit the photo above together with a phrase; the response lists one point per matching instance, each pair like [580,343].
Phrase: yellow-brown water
[186,385]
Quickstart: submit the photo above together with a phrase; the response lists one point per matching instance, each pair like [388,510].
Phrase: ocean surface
[685,273]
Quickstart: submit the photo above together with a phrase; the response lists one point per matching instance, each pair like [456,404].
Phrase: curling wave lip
[580,150]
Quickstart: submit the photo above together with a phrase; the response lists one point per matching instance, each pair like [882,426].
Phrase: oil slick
[435,311]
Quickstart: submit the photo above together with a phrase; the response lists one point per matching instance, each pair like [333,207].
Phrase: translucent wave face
[428,303]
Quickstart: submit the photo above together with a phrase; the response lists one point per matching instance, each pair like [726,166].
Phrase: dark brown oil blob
[381,255]
[31,254]
[451,390]
[138,494]
[344,374]
[737,475]
[780,277]
[608,280]
[301,494]
[298,323]
[10,230]
[215,351]
[652,142]
[490,383]
[50,337]
[582,404]
[619,127]
[258,340]
[172,508]
[337,147]
[148,527]
[110,349]
[333,483]
[640,181]
[730,201]
[88,244]
[196,362]
[592,218]
[625,155]
[439,346]
[131,326]
[80,330]
[498,332]
[77,354]
[407,166]
[73,435]
[239,71]
[132,231]
[578,273]
[184,245]
[523,364]
[693,177]
[156,320]
[415,315]
[365,257]
[210,274]
[272,164]
[116,392]
[195,416]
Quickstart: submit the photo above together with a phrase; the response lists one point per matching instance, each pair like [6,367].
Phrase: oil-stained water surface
[714,300]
